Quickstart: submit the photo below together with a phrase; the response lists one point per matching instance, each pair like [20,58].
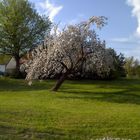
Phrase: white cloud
[130,45]
[120,40]
[126,40]
[50,9]
[136,12]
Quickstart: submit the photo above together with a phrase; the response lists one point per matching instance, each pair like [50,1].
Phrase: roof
[4,59]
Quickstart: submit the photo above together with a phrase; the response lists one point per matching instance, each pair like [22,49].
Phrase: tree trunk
[17,70]
[60,81]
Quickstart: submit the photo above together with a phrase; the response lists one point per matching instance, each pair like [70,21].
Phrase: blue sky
[122,31]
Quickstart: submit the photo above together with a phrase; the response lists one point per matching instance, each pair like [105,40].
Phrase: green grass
[84,110]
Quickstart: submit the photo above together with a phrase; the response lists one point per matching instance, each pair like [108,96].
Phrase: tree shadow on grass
[118,91]
[13,133]
[120,83]
[122,91]
[114,97]
[22,85]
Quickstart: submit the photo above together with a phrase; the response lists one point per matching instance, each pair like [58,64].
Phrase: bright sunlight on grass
[80,110]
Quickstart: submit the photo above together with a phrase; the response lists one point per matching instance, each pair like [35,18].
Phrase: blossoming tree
[68,51]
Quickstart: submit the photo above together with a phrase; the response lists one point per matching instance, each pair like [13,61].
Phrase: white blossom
[68,51]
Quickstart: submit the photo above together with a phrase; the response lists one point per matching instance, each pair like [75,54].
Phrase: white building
[7,65]
[2,68]
[11,66]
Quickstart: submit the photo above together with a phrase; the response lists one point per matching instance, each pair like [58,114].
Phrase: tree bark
[60,81]
[17,70]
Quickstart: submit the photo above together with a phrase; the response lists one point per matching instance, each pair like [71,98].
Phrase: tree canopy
[68,52]
[21,27]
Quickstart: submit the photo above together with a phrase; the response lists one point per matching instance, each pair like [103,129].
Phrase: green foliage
[137,71]
[4,59]
[116,72]
[21,27]
[119,62]
[132,67]
[81,110]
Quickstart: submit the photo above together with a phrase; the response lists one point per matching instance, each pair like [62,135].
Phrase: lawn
[81,110]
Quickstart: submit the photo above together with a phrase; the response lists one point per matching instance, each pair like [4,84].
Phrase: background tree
[138,71]
[132,67]
[119,62]
[99,62]
[67,51]
[21,28]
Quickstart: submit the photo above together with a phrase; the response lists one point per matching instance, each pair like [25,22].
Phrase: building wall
[2,68]
[11,64]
